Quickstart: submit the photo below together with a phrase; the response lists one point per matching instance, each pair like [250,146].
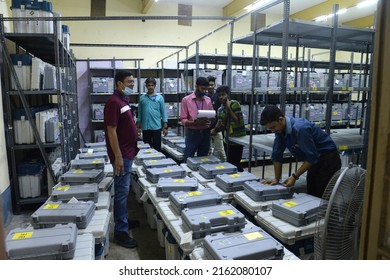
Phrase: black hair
[211,79]
[120,76]
[271,113]
[150,80]
[202,81]
[223,89]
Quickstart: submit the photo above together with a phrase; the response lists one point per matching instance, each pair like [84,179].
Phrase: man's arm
[114,143]
[290,181]
[231,113]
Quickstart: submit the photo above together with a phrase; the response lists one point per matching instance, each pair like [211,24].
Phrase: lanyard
[196,103]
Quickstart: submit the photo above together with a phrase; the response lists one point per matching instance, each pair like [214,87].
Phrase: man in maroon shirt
[121,138]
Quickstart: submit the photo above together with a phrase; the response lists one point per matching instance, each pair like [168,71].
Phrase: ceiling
[303,9]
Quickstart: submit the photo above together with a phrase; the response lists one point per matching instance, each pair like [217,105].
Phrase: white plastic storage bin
[22,65]
[27,9]
[30,179]
[66,37]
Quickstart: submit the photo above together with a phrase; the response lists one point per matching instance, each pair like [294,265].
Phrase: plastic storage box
[93,155]
[209,171]
[200,198]
[180,147]
[167,185]
[206,220]
[79,176]
[56,243]
[261,192]
[246,244]
[171,142]
[93,150]
[141,145]
[83,192]
[154,174]
[155,163]
[30,179]
[145,155]
[234,182]
[300,210]
[87,164]
[195,162]
[95,145]
[52,213]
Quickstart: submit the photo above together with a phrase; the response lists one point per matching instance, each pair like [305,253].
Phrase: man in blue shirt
[152,116]
[308,143]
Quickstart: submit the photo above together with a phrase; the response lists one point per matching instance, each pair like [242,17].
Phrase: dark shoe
[133,224]
[123,239]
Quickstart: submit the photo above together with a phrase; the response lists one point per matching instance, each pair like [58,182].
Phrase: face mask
[128,91]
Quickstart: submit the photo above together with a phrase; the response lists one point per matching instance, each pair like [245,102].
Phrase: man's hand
[271,182]
[289,182]
[202,121]
[119,166]
[213,132]
[139,131]
[165,131]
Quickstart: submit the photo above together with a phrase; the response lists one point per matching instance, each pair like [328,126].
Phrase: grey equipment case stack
[195,162]
[155,163]
[93,150]
[154,174]
[83,192]
[234,182]
[94,155]
[51,130]
[52,213]
[56,243]
[141,145]
[261,192]
[79,176]
[200,198]
[247,244]
[167,185]
[95,145]
[87,164]
[141,156]
[298,211]
[206,220]
[209,171]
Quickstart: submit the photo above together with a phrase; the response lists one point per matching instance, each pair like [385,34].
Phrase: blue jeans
[122,188]
[197,141]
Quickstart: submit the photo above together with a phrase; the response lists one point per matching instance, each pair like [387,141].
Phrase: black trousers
[319,175]
[235,155]
[153,138]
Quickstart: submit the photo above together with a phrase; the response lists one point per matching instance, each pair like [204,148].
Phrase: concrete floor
[148,245]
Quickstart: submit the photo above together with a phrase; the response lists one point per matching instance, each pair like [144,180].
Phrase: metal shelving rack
[50,49]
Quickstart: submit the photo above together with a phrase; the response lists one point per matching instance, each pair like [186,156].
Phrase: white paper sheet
[206,114]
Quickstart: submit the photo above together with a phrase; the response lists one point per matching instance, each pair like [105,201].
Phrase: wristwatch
[295,176]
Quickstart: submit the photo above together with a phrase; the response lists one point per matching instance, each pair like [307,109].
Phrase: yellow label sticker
[340,121]
[334,113]
[317,123]
[194,193]
[219,167]
[253,235]
[148,151]
[101,148]
[226,213]
[178,180]
[87,154]
[343,148]
[153,160]
[314,88]
[350,88]
[97,161]
[343,88]
[204,159]
[78,171]
[290,204]
[64,188]
[235,175]
[22,235]
[167,170]
[51,206]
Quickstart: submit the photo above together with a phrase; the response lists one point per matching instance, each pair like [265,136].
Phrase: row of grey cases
[167,185]
[56,243]
[258,191]
[200,198]
[52,213]
[180,147]
[51,130]
[84,192]
[171,142]
[154,163]
[175,171]
[79,176]
[94,155]
[93,150]
[247,244]
[206,220]
[209,171]
[195,162]
[234,182]
[147,156]
[141,145]
[301,210]
[87,164]
[95,145]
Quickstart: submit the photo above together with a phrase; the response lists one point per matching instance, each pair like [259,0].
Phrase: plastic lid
[65,28]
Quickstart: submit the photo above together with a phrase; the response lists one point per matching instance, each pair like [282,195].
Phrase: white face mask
[128,91]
